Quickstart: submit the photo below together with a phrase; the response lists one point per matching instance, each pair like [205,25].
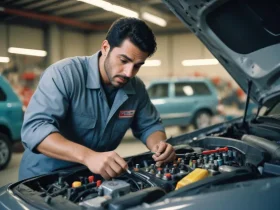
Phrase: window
[3,96]
[275,110]
[158,91]
[191,89]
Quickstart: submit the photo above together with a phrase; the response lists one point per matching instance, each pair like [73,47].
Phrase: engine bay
[202,165]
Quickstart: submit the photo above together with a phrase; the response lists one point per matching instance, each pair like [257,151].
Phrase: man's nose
[129,71]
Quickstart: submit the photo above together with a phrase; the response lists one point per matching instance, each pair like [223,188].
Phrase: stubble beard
[108,71]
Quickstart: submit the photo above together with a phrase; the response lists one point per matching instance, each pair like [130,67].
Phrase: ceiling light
[112,8]
[154,19]
[4,60]
[152,63]
[23,51]
[99,3]
[124,11]
[200,62]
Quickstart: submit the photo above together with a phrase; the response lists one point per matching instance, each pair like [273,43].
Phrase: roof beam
[99,17]
[59,5]
[83,13]
[77,8]
[55,19]
[69,4]
[40,4]
[24,3]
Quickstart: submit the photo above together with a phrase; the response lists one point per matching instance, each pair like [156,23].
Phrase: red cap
[207,152]
[168,175]
[91,179]
[98,183]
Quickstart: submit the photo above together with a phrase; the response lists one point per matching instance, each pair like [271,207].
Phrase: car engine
[203,164]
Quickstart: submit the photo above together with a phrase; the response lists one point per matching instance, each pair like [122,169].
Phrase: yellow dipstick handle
[196,175]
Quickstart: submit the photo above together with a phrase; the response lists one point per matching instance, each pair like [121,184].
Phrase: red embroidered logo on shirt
[126,113]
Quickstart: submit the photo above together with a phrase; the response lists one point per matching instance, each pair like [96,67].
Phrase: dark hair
[136,31]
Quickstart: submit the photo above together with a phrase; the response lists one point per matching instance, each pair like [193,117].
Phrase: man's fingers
[105,175]
[169,149]
[120,161]
[111,172]
[162,146]
[116,168]
[171,157]
[159,163]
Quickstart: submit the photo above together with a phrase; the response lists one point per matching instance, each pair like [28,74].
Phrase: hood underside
[244,35]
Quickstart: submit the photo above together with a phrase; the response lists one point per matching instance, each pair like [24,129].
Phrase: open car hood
[244,35]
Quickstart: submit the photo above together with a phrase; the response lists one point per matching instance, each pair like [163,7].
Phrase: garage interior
[53,30]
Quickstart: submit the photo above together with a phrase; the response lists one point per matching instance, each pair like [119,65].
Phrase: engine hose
[271,147]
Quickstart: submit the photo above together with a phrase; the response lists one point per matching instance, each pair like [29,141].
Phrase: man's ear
[105,48]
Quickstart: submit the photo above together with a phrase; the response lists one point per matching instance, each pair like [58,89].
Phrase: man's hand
[164,153]
[107,164]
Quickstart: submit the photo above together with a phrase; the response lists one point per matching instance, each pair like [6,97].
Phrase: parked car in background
[182,102]
[11,117]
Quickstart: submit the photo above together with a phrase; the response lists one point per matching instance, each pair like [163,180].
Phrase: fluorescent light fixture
[112,8]
[200,62]
[99,3]
[4,59]
[24,51]
[124,11]
[154,19]
[149,63]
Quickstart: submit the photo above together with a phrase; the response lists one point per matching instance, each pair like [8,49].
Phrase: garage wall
[3,40]
[62,43]
[172,50]
[95,42]
[73,44]
[188,46]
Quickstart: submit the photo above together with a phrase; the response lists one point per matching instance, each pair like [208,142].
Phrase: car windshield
[275,110]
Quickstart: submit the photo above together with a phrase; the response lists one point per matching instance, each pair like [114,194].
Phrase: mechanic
[83,107]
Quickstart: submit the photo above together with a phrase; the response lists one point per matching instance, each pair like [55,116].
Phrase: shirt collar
[93,78]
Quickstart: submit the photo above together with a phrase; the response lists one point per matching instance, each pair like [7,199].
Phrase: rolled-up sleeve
[147,119]
[46,108]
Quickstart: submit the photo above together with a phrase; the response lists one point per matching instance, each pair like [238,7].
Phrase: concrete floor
[129,146]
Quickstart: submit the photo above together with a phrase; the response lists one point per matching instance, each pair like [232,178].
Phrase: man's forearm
[56,146]
[154,139]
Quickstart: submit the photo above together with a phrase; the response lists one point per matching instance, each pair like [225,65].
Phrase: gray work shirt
[70,100]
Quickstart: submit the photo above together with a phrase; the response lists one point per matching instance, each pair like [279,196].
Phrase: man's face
[123,63]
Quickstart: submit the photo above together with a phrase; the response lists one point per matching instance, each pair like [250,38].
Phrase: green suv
[11,117]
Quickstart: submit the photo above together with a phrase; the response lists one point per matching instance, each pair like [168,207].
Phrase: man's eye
[123,61]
